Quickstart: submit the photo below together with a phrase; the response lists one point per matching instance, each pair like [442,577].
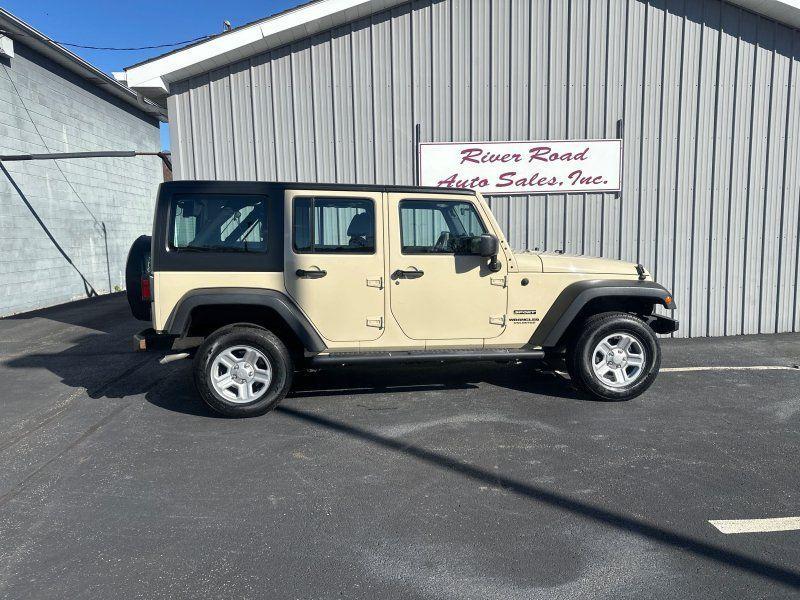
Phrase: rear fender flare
[178,321]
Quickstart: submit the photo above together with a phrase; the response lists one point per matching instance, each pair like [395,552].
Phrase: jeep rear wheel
[616,357]
[242,371]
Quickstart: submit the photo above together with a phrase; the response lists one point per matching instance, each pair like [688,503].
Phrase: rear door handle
[408,274]
[313,274]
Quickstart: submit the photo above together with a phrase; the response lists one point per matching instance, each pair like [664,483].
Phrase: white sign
[523,167]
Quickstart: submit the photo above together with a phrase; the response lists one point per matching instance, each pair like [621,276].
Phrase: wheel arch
[582,299]
[210,308]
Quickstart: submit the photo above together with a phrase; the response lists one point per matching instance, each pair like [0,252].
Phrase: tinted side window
[333,225]
[219,223]
[438,227]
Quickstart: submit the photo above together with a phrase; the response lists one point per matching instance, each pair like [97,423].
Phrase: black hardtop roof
[363,187]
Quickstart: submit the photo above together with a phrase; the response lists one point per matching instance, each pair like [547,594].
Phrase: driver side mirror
[487,245]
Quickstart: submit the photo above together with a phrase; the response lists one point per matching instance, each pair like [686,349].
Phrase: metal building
[704,94]
[66,226]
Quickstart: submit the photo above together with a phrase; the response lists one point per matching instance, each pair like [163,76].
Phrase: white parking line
[757,525]
[751,368]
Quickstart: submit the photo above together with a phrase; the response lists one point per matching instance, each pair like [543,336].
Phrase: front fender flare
[178,321]
[574,297]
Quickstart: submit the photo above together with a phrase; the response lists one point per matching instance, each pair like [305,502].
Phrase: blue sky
[140,23]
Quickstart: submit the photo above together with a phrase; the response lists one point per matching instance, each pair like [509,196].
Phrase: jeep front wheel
[242,371]
[616,357]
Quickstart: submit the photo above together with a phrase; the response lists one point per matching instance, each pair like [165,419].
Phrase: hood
[565,263]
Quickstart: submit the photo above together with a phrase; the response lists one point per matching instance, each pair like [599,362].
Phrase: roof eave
[153,78]
[23,33]
[783,11]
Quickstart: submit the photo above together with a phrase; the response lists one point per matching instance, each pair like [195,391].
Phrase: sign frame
[612,190]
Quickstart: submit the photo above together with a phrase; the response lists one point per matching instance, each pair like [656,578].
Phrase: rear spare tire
[137,268]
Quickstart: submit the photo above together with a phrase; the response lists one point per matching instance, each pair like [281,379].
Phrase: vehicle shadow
[177,392]
[86,344]
[105,313]
[103,363]
[525,377]
[100,359]
[106,366]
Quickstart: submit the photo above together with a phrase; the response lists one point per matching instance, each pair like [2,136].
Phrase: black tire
[580,357]
[136,267]
[272,349]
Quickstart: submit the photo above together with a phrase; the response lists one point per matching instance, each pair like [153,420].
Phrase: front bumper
[662,325]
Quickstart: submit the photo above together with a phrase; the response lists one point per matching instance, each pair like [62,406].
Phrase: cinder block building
[66,226]
[703,95]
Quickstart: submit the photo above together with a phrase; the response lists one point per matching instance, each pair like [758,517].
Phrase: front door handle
[313,274]
[408,274]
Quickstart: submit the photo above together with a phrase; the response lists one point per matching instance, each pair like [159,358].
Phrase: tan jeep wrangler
[273,277]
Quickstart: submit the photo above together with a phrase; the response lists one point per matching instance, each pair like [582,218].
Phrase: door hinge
[376,283]
[501,320]
[501,281]
[375,322]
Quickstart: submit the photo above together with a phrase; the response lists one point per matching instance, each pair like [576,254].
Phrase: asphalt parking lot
[479,481]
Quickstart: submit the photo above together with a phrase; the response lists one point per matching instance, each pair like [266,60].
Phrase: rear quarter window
[218,226]
[219,223]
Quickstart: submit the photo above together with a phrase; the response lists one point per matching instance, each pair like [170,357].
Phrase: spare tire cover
[138,266]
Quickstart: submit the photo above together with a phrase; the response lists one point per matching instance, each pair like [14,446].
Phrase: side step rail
[422,356]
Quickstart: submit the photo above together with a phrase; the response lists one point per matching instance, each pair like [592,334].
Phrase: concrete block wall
[57,245]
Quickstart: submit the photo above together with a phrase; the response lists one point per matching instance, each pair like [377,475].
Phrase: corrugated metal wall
[706,92]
